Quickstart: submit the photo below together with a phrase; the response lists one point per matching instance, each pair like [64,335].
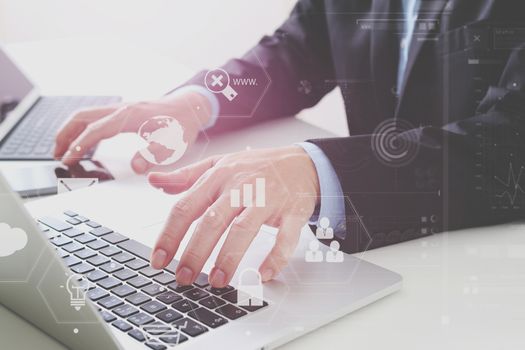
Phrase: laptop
[78,269]
[28,121]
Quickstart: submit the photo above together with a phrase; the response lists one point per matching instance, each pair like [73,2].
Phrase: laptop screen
[14,85]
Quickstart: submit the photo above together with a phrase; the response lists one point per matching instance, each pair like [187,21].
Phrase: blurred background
[196,34]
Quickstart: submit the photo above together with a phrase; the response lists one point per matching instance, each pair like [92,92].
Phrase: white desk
[462,290]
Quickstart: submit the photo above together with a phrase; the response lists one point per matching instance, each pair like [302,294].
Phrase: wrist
[310,171]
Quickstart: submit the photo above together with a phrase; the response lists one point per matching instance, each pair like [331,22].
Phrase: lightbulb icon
[77,286]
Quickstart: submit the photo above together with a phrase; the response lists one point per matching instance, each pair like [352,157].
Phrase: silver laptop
[88,285]
[28,121]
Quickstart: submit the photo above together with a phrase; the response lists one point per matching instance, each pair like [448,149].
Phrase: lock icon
[250,294]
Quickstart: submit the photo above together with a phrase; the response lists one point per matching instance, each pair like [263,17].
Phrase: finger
[104,128]
[74,127]
[284,247]
[182,179]
[139,164]
[189,207]
[208,232]
[243,231]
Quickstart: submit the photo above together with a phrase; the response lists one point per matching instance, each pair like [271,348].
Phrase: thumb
[182,179]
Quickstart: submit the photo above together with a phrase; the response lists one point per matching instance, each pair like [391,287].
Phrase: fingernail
[218,278]
[158,259]
[140,165]
[267,275]
[184,276]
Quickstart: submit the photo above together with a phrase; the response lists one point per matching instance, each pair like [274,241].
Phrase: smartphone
[47,179]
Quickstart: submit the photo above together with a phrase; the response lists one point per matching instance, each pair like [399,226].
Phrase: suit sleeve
[444,187]
[290,68]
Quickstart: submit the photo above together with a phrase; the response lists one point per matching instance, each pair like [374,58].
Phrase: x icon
[217,80]
[477,38]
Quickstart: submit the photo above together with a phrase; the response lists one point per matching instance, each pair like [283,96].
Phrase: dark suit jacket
[443,153]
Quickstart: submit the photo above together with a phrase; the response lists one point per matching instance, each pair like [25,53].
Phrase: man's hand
[292,191]
[88,127]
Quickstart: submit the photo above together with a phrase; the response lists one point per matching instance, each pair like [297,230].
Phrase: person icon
[313,254]
[324,231]
[334,255]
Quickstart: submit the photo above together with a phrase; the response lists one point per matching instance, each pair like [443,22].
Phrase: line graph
[511,184]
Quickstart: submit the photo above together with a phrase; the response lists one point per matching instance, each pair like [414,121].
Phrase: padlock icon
[250,294]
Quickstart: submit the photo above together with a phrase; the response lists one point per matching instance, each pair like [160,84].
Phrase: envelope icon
[74,183]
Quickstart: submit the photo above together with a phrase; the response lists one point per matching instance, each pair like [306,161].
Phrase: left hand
[292,192]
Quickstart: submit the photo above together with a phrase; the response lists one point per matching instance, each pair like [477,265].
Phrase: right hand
[88,127]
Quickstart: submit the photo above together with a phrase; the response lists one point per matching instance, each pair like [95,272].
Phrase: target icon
[393,145]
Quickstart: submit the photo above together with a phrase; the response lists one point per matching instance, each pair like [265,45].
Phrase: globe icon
[165,138]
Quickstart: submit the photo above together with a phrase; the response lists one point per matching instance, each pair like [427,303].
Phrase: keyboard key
[85,238]
[190,327]
[207,317]
[164,278]
[114,238]
[255,307]
[61,253]
[72,232]
[60,241]
[85,254]
[141,319]
[157,328]
[82,268]
[93,224]
[125,311]
[55,224]
[137,334]
[110,251]
[212,302]
[138,298]
[136,264]
[154,289]
[201,280]
[123,290]
[100,231]
[98,244]
[73,221]
[81,218]
[168,316]
[150,271]
[97,294]
[106,316]
[98,260]
[219,291]
[136,248]
[124,258]
[155,345]
[153,307]
[72,247]
[139,281]
[111,267]
[169,297]
[232,298]
[122,325]
[125,274]
[172,266]
[96,275]
[71,260]
[173,338]
[196,294]
[179,288]
[184,305]
[230,311]
[109,283]
[70,213]
[110,302]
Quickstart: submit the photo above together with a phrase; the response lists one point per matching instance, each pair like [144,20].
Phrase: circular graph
[393,145]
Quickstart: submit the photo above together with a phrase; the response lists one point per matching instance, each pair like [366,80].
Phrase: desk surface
[462,290]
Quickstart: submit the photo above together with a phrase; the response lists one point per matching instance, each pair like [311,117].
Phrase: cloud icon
[11,239]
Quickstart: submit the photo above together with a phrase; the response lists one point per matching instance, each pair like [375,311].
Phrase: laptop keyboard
[145,303]
[34,136]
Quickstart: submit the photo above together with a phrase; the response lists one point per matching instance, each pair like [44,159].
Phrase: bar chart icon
[248,196]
